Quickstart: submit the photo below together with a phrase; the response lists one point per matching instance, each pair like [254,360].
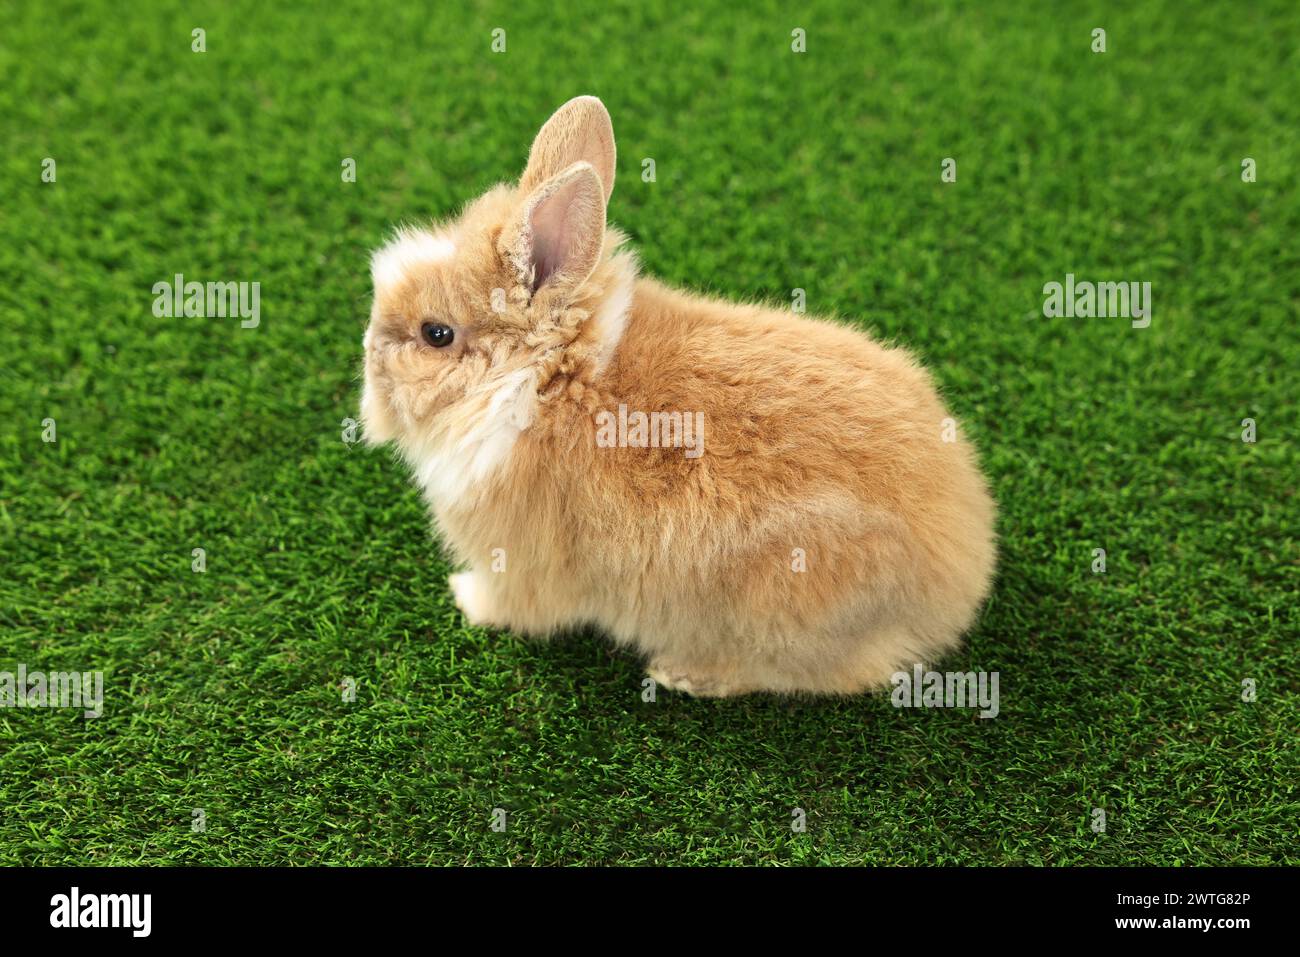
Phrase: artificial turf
[774,171]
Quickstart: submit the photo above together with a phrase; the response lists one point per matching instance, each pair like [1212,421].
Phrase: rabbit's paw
[697,685]
[471,598]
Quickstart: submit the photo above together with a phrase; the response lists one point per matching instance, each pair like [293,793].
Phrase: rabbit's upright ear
[555,236]
[578,132]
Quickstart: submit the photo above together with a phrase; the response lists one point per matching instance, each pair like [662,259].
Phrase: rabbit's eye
[437,334]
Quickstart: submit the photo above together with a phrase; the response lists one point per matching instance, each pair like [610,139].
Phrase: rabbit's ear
[578,132]
[554,239]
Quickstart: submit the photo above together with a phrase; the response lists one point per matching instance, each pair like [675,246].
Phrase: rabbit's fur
[827,536]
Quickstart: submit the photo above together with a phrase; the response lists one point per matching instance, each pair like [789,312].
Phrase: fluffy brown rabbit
[754,500]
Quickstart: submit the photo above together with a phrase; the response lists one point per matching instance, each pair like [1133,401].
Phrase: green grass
[775,171]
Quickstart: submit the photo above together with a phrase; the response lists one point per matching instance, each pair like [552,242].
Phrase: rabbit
[831,528]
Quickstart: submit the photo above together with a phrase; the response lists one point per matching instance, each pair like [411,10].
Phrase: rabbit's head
[473,316]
